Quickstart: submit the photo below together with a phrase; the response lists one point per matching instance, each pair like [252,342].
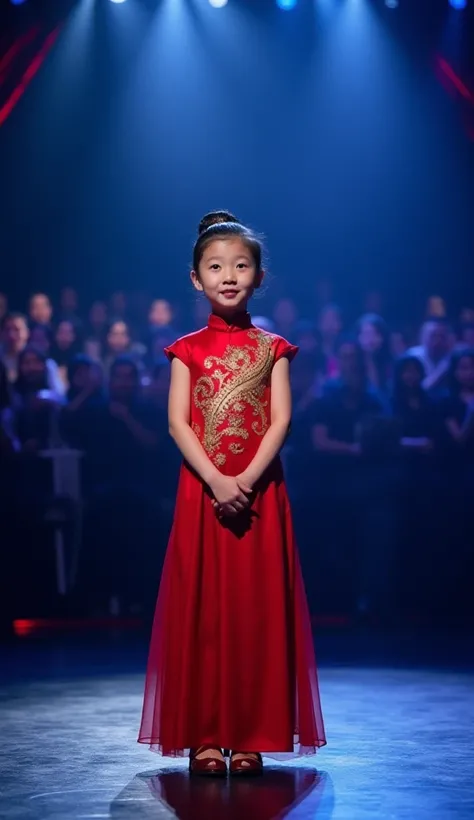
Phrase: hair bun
[215,218]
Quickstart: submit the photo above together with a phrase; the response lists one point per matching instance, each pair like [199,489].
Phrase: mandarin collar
[241,321]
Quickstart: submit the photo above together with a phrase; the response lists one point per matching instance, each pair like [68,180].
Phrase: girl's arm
[280,418]
[178,421]
[225,489]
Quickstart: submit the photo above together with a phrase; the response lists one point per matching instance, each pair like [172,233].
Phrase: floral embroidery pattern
[236,382]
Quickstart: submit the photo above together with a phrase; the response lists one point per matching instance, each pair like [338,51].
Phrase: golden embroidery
[238,381]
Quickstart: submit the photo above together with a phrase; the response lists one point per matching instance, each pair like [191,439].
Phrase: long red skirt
[231,657]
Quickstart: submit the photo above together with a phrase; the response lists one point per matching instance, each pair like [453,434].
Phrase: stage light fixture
[117,1]
[286,5]
[458,4]
[218,4]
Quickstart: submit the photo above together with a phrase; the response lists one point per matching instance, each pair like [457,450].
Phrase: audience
[434,353]
[40,310]
[368,411]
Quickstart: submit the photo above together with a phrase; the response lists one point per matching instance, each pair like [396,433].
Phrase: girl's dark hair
[21,384]
[214,218]
[467,352]
[228,230]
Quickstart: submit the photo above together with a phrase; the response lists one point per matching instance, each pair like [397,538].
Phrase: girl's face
[411,375]
[32,368]
[465,372]
[65,335]
[118,337]
[227,275]
[39,339]
[370,339]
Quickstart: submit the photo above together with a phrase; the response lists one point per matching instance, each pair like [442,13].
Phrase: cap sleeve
[284,349]
[179,350]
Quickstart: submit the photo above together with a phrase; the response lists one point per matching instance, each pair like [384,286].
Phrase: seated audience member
[8,441]
[374,341]
[348,403]
[96,331]
[33,402]
[434,353]
[15,337]
[41,338]
[118,343]
[306,382]
[436,308]
[466,335]
[158,388]
[330,327]
[458,406]
[398,344]
[285,316]
[160,314]
[308,339]
[69,307]
[412,406]
[40,310]
[78,421]
[157,341]
[65,347]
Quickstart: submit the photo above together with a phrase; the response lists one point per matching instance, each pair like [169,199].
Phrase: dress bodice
[230,401]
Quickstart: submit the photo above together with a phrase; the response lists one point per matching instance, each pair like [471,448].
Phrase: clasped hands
[231,494]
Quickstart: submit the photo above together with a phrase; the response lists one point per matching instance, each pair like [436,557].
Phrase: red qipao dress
[231,658]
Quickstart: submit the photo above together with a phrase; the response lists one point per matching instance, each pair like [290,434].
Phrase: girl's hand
[228,496]
[230,509]
[244,484]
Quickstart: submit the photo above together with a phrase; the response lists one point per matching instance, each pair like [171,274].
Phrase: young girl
[231,662]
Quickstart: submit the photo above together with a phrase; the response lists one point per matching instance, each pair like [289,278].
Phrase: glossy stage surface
[399,715]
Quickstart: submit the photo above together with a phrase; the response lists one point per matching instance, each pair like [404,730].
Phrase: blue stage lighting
[458,4]
[286,5]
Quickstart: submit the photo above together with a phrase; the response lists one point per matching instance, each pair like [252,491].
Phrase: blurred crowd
[380,461]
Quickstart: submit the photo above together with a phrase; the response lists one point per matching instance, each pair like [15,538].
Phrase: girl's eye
[242,265]
[215,266]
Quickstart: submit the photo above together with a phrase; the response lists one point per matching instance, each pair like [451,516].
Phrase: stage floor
[399,718]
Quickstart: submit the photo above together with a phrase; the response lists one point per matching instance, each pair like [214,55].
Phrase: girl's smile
[227,275]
